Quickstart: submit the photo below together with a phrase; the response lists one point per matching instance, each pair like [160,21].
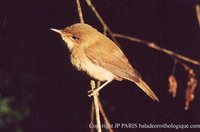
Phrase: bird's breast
[82,62]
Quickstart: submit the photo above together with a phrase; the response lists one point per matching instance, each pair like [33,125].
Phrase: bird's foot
[93,92]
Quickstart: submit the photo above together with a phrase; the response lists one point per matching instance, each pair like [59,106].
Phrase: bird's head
[77,34]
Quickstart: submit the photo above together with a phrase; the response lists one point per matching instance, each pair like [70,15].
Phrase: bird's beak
[56,30]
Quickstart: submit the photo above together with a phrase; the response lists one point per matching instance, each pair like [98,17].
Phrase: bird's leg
[93,92]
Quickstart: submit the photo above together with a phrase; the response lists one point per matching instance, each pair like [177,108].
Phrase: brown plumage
[100,57]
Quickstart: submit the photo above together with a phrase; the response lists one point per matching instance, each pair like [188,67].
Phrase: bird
[98,56]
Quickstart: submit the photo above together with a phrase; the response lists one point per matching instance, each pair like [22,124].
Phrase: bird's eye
[74,37]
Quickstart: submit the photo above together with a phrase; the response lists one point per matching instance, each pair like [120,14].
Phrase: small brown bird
[100,57]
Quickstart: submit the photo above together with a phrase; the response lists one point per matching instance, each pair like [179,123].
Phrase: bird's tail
[146,89]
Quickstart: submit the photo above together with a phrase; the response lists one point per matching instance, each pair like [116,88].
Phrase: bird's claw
[92,93]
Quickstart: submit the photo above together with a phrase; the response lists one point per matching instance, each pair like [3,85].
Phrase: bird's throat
[69,43]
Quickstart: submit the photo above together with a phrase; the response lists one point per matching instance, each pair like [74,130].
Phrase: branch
[92,117]
[80,11]
[156,47]
[105,118]
[198,13]
[101,111]
[96,104]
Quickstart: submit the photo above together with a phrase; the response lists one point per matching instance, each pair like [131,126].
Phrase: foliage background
[41,91]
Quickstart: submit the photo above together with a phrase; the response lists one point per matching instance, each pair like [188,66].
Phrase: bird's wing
[109,56]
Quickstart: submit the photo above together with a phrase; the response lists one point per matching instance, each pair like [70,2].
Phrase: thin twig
[156,47]
[105,118]
[80,11]
[96,104]
[198,13]
[92,117]
[103,113]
